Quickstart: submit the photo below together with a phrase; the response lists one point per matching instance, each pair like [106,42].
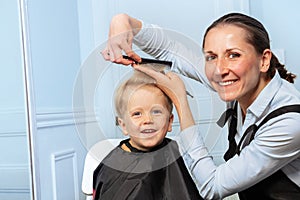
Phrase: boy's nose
[148,118]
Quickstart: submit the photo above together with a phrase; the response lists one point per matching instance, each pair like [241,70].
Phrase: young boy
[146,166]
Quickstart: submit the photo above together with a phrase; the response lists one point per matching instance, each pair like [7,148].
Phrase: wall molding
[60,160]
[13,121]
[63,117]
[15,191]
[13,134]
[16,176]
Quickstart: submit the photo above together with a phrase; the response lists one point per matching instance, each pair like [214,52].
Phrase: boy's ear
[121,123]
[171,119]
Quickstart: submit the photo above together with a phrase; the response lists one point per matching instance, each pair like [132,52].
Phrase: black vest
[278,185]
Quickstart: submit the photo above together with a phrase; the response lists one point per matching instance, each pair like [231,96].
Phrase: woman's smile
[226,83]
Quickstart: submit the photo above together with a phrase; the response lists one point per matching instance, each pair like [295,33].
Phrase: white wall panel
[54,54]
[64,175]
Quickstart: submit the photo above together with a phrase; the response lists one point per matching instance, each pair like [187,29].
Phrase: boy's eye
[136,114]
[156,112]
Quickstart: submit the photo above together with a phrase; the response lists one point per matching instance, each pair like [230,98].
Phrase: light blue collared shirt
[276,144]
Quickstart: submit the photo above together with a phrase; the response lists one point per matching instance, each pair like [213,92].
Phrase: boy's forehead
[150,89]
[147,96]
[143,94]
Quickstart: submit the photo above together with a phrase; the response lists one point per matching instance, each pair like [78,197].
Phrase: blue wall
[62,35]
[14,162]
[281,19]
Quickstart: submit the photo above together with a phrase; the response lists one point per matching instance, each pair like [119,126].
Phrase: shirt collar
[266,95]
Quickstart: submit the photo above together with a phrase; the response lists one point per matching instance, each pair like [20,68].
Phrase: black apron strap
[253,128]
[232,112]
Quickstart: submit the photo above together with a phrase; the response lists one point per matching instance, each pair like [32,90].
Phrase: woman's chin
[227,97]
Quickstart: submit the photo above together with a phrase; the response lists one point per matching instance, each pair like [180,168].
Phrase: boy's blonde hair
[127,87]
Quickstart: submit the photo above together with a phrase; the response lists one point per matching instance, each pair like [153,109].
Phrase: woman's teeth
[226,83]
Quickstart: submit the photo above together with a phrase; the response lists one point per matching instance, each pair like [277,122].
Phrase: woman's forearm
[185,116]
[124,20]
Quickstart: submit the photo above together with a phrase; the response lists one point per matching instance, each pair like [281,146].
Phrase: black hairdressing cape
[155,175]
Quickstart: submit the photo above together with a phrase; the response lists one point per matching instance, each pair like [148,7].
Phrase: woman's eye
[234,55]
[210,57]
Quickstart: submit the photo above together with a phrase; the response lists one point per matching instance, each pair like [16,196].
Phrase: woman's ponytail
[275,64]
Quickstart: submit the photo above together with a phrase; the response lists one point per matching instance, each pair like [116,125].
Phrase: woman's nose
[221,67]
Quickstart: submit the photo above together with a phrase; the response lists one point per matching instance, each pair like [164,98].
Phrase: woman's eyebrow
[207,51]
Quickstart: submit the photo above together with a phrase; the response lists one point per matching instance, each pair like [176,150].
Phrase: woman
[263,159]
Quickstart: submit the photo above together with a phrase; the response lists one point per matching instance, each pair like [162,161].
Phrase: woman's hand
[122,30]
[174,87]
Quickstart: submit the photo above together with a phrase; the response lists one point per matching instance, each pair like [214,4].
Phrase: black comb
[148,60]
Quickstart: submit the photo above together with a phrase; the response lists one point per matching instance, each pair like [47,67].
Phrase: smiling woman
[242,69]
[233,67]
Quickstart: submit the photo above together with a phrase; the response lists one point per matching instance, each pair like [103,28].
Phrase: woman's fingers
[116,46]
[170,83]
[105,53]
[121,33]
